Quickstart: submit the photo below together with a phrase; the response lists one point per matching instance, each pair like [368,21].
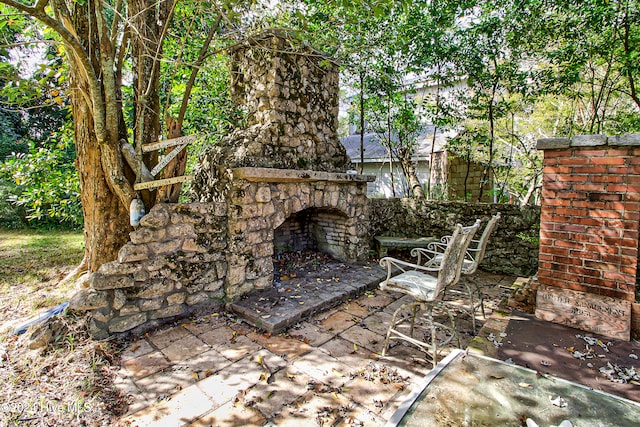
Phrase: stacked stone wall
[188,256]
[512,248]
[174,263]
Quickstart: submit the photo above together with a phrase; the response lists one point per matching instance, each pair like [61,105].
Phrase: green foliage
[10,130]
[11,216]
[43,186]
[33,104]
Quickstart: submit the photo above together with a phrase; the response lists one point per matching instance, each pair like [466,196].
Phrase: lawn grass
[70,380]
[32,263]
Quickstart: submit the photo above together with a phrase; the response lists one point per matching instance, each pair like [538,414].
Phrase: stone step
[291,301]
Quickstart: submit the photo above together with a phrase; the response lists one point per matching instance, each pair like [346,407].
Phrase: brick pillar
[589,223]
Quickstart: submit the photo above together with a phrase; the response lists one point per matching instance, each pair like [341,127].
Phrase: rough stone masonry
[284,164]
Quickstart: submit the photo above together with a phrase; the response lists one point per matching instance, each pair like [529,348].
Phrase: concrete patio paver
[167,337]
[184,348]
[325,370]
[146,364]
[337,321]
[205,364]
[231,415]
[310,334]
[214,370]
[162,384]
[289,348]
[270,398]
[235,347]
[364,338]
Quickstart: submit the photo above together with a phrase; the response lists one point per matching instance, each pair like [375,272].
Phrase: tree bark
[361,168]
[149,21]
[178,165]
[106,217]
[106,220]
[409,170]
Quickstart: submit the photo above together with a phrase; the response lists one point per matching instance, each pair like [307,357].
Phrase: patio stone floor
[325,370]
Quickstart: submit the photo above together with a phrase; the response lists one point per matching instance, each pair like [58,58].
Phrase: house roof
[375,151]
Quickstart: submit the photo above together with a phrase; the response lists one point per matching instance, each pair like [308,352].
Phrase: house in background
[448,175]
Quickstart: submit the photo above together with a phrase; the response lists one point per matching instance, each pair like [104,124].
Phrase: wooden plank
[168,143]
[161,182]
[589,312]
[166,159]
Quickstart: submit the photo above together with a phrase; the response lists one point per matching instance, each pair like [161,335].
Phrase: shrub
[42,186]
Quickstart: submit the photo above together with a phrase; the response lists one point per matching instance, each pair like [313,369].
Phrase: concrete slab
[291,301]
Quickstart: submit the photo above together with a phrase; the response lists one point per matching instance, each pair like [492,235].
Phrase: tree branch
[196,67]
[77,49]
[109,154]
[41,4]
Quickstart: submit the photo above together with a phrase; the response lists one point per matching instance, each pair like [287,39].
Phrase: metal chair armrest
[432,255]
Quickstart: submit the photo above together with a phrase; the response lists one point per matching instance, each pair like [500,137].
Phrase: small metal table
[466,389]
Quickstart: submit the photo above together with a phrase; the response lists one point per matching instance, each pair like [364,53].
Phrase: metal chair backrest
[453,257]
[477,253]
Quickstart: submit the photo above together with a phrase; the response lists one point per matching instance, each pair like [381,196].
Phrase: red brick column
[589,223]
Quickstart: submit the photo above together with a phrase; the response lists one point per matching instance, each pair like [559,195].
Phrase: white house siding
[381,187]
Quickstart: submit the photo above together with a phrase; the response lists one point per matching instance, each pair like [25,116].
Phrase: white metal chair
[432,255]
[428,291]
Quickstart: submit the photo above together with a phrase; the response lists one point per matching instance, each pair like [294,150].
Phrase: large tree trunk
[91,40]
[106,220]
[106,217]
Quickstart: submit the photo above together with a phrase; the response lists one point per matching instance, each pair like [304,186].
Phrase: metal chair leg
[472,307]
[395,322]
[413,318]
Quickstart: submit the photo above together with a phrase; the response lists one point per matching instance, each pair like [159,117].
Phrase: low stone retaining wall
[512,248]
[174,263]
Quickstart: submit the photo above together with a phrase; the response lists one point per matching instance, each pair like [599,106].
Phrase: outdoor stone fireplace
[284,175]
[271,209]
[281,181]
[589,226]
